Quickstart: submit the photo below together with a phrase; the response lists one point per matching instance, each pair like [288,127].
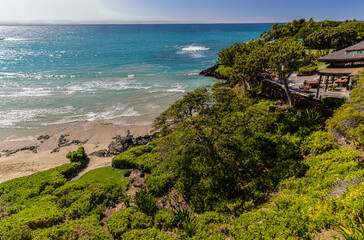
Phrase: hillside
[228,163]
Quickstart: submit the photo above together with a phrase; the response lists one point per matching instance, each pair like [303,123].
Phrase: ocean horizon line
[131,23]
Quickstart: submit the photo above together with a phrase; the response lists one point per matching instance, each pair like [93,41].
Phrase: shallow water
[58,74]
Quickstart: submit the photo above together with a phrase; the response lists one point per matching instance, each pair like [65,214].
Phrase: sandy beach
[39,155]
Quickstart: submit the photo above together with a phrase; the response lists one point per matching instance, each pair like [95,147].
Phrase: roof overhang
[342,71]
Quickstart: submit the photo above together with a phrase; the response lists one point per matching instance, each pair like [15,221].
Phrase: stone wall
[276,91]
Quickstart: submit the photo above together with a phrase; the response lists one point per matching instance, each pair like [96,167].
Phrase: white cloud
[56,10]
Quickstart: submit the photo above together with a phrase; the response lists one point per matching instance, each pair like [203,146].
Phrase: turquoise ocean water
[58,74]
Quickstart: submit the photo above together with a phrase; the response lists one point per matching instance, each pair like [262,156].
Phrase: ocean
[55,74]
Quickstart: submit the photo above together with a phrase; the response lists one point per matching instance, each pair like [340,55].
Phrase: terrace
[338,79]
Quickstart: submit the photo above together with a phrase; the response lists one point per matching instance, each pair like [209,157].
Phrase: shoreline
[41,149]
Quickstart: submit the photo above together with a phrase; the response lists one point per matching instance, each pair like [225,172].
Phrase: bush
[164,220]
[142,157]
[147,234]
[145,202]
[78,156]
[88,228]
[126,220]
[348,120]
[302,206]
[86,198]
[159,184]
[308,70]
[318,143]
[333,102]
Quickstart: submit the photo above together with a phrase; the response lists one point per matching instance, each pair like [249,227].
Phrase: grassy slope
[104,174]
[39,205]
[45,206]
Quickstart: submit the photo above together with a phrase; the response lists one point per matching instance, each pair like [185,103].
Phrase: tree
[285,56]
[331,38]
[249,59]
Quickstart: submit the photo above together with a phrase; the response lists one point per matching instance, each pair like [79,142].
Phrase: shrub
[40,214]
[355,231]
[148,234]
[318,143]
[87,228]
[126,220]
[333,102]
[308,70]
[212,225]
[185,220]
[78,156]
[348,120]
[164,219]
[85,198]
[159,184]
[142,157]
[145,202]
[303,206]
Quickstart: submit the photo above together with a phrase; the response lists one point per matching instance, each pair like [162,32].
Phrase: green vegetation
[228,164]
[128,219]
[243,62]
[45,206]
[323,35]
[78,156]
[308,70]
[348,123]
[142,157]
[103,174]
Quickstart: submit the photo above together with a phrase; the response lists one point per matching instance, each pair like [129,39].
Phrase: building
[344,66]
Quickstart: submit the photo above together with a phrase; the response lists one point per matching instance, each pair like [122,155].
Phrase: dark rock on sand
[43,137]
[10,152]
[211,72]
[121,144]
[100,153]
[64,142]
[127,173]
[138,185]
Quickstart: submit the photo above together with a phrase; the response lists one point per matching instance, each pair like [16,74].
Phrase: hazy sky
[218,11]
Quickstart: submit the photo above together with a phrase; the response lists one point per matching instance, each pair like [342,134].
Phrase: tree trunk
[288,92]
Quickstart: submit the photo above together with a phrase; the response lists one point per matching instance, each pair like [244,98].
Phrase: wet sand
[94,135]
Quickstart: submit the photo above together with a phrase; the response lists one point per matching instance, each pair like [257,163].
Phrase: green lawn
[104,174]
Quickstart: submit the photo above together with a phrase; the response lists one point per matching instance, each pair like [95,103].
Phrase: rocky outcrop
[43,137]
[211,72]
[121,144]
[64,142]
[11,152]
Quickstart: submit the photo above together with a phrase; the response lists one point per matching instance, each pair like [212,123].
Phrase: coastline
[34,151]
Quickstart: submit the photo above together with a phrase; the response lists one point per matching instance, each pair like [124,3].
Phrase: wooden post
[350,87]
[318,86]
[326,83]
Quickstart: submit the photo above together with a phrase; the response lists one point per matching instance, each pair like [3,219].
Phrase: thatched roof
[345,55]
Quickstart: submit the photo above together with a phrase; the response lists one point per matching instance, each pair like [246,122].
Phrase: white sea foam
[193,74]
[93,86]
[177,88]
[130,112]
[111,113]
[13,117]
[14,39]
[194,48]
[153,106]
[27,92]
[131,76]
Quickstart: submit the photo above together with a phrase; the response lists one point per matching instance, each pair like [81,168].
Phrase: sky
[176,11]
